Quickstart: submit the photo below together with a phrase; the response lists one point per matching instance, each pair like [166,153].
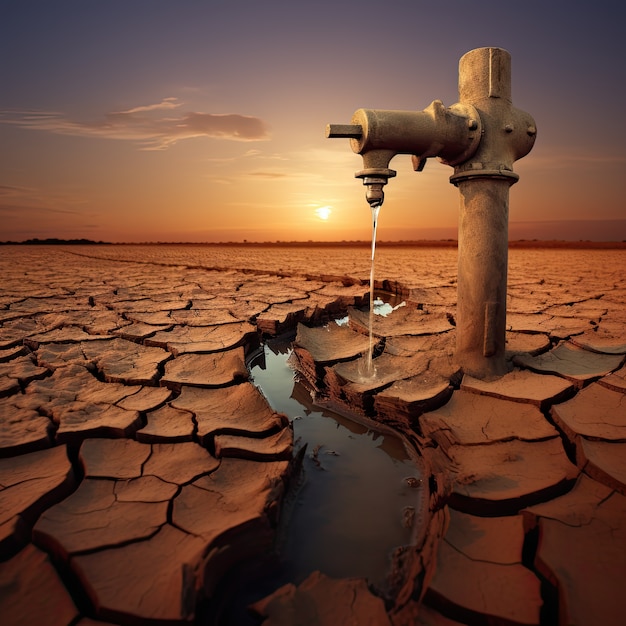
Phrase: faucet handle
[347,131]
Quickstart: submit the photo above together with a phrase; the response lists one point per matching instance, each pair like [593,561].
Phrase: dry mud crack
[138,464]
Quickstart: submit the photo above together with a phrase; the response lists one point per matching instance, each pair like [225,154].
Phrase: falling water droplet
[370,369]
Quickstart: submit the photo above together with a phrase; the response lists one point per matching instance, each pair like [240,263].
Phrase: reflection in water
[381,307]
[344,515]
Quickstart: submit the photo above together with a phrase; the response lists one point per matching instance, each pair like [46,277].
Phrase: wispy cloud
[270,175]
[561,158]
[9,191]
[166,103]
[300,166]
[22,210]
[154,126]
[34,203]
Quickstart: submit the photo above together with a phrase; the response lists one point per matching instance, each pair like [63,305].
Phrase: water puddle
[345,514]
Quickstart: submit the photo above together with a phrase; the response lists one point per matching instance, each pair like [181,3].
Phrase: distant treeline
[570,245]
[53,241]
[420,243]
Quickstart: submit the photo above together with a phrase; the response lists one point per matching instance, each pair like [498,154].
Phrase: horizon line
[443,242]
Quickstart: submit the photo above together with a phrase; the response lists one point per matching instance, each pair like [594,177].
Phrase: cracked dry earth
[138,463]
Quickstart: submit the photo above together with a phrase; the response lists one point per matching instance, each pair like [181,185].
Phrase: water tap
[450,133]
[481,136]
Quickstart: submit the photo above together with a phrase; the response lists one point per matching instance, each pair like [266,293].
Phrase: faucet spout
[450,133]
[375,179]
[375,173]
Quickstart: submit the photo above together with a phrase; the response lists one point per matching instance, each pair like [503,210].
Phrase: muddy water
[344,514]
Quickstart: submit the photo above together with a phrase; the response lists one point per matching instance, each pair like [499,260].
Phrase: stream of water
[370,370]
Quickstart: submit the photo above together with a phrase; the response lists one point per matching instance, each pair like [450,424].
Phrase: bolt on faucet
[480,136]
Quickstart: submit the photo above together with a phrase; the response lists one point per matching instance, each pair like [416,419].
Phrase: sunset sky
[203,120]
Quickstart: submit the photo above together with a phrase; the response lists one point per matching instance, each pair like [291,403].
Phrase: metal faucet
[480,136]
[452,134]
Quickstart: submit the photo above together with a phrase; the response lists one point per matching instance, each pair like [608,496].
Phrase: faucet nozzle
[374,194]
[375,179]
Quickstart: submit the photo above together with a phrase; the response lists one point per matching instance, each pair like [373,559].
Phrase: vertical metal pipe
[484,181]
[482,276]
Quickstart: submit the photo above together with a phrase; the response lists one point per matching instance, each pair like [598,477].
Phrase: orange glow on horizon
[219,136]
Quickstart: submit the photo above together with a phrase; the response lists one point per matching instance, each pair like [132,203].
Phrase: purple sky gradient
[170,120]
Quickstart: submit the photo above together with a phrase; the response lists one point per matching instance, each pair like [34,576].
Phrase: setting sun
[323,212]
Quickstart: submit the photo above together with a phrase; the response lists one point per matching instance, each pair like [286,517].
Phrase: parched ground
[138,463]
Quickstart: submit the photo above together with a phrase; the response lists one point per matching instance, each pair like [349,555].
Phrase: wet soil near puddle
[343,515]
